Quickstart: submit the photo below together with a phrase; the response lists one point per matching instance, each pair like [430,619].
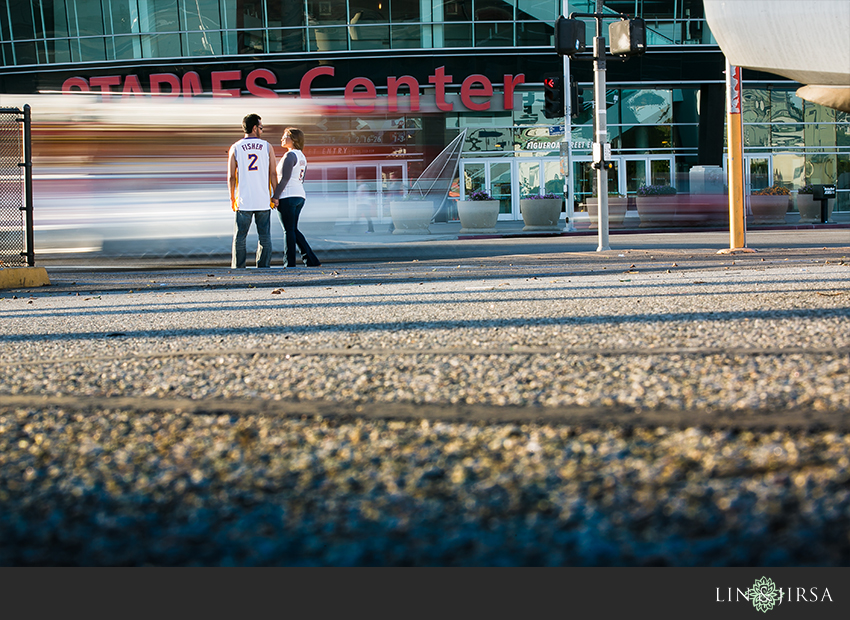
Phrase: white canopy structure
[807,41]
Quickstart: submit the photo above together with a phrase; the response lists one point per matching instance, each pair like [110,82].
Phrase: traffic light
[569,36]
[576,100]
[553,99]
[627,37]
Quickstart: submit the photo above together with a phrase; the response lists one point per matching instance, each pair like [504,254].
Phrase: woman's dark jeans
[289,210]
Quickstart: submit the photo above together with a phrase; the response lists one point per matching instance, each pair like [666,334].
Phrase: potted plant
[411,215]
[541,211]
[656,205]
[810,208]
[617,205]
[478,213]
[769,205]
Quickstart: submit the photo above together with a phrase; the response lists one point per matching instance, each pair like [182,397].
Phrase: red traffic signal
[553,96]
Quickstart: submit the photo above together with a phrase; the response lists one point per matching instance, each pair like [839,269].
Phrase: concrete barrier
[23,277]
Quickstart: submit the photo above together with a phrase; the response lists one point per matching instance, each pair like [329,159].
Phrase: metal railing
[16,202]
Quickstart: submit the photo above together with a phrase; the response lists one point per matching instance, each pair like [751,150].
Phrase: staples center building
[408,75]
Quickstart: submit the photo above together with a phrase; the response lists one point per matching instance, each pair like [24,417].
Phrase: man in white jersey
[251,178]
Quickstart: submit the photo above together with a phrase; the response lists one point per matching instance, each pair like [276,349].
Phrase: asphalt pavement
[515,400]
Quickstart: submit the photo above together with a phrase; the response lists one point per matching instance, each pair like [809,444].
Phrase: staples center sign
[476,91]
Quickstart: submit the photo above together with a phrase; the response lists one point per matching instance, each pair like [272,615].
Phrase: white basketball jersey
[295,185]
[252,174]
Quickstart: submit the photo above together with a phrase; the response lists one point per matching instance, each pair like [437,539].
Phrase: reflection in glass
[533,33]
[553,180]
[457,35]
[646,107]
[529,178]
[542,10]
[785,107]
[474,178]
[759,174]
[494,34]
[788,170]
[842,183]
[842,135]
[787,135]
[642,137]
[584,179]
[660,170]
[635,175]
[756,135]
[756,105]
[500,183]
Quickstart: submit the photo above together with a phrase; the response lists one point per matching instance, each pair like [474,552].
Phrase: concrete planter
[411,217]
[809,209]
[702,210]
[541,213]
[769,209]
[616,211]
[478,216]
[683,210]
[657,211]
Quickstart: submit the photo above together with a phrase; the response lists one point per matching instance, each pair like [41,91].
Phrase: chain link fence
[16,221]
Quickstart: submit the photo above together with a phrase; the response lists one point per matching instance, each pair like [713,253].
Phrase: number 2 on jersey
[252,161]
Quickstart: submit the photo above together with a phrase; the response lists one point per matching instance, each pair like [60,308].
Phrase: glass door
[661,171]
[758,174]
[635,175]
[493,176]
[584,180]
[392,184]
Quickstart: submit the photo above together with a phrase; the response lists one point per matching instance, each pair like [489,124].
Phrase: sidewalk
[335,244]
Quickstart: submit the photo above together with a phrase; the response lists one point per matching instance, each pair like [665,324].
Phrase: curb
[23,277]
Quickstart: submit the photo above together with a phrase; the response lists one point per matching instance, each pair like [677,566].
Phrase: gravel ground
[641,409]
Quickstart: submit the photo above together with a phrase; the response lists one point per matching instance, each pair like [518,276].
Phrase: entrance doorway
[508,180]
[627,175]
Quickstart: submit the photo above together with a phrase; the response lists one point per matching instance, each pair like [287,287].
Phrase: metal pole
[566,166]
[735,163]
[30,249]
[601,138]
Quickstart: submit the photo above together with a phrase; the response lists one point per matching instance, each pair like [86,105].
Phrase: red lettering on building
[307,80]
[219,77]
[192,84]
[352,95]
[104,82]
[70,84]
[132,86]
[511,83]
[158,79]
[440,80]
[255,89]
[392,92]
[467,93]
[360,92]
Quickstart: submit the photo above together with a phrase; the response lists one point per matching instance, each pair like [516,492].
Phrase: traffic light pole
[567,148]
[601,137]
[628,38]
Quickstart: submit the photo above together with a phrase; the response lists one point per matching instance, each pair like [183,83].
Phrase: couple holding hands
[258,184]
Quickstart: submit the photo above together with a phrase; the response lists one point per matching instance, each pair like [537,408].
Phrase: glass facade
[42,32]
[662,109]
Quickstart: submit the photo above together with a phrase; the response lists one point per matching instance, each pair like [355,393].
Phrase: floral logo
[764,594]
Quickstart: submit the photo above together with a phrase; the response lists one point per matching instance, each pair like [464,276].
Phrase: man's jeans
[240,233]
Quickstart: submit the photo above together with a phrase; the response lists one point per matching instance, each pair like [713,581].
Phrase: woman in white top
[289,195]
